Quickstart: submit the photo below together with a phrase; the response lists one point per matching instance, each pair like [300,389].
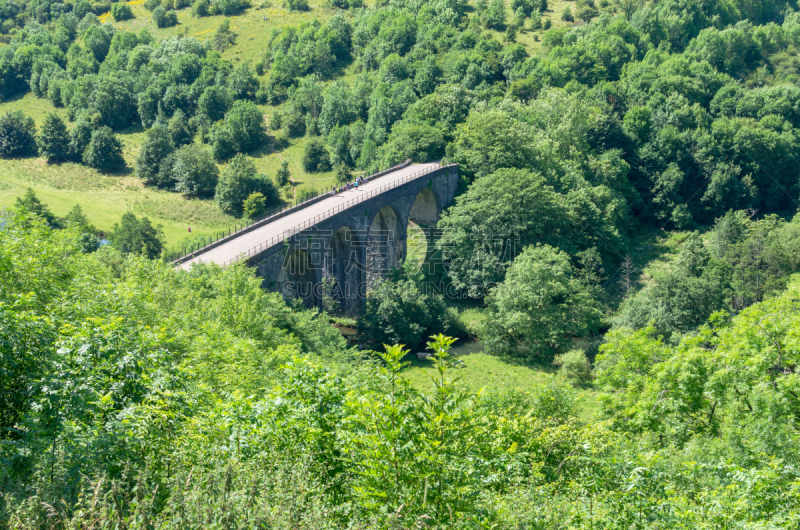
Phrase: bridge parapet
[253,254]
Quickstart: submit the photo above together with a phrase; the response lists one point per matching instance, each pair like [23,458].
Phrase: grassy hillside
[105,197]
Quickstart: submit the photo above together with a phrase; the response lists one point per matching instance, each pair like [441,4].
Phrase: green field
[497,374]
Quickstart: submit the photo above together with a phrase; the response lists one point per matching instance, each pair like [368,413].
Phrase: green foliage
[574,367]
[243,84]
[223,144]
[540,305]
[104,151]
[670,114]
[586,13]
[294,124]
[31,204]
[79,138]
[253,205]
[746,262]
[215,102]
[316,157]
[519,18]
[497,217]
[511,33]
[179,130]
[343,174]
[282,175]
[155,150]
[135,375]
[227,7]
[296,5]
[121,12]
[53,139]
[163,18]
[200,8]
[238,182]
[399,312]
[246,125]
[17,135]
[194,171]
[417,142]
[224,37]
[495,15]
[137,236]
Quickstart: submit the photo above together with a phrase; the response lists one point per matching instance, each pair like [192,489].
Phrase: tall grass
[189,211]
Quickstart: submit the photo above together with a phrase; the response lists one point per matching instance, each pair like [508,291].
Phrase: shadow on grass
[132,129]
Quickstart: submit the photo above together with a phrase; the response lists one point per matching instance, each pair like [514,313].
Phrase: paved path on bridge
[239,245]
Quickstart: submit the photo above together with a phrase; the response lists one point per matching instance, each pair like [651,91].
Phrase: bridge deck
[242,244]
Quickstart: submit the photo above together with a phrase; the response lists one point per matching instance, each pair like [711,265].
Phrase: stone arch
[386,244]
[422,217]
[298,278]
[425,208]
[347,266]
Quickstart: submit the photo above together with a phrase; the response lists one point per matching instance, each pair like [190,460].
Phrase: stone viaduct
[339,244]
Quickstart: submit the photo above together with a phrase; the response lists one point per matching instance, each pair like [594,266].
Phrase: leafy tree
[238,181]
[294,124]
[223,144]
[53,138]
[511,33]
[194,171]
[495,15]
[483,225]
[79,138]
[88,243]
[491,140]
[98,41]
[519,18]
[339,144]
[137,236]
[215,102]
[536,19]
[586,13]
[343,174]
[418,142]
[296,5]
[228,7]
[682,299]
[282,176]
[566,15]
[253,205]
[31,203]
[164,18]
[157,146]
[243,83]
[224,37]
[104,151]
[121,12]
[179,131]
[17,135]
[247,126]
[316,157]
[528,6]
[398,312]
[78,219]
[201,8]
[575,367]
[540,305]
